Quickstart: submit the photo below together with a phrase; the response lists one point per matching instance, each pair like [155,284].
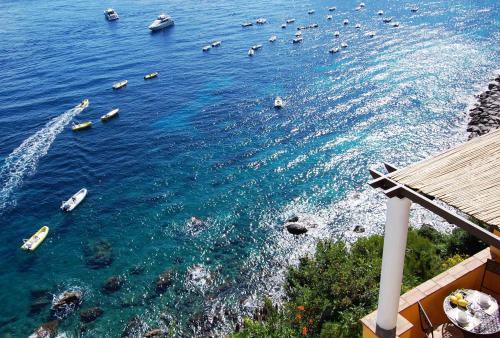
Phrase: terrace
[466,178]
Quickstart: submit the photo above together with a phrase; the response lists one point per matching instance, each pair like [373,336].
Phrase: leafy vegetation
[328,293]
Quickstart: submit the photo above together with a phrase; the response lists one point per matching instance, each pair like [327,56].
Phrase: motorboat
[336,34]
[260,21]
[34,241]
[278,102]
[247,24]
[272,38]
[358,26]
[251,52]
[331,9]
[414,9]
[151,75]
[313,25]
[207,48]
[84,104]
[297,40]
[381,12]
[301,28]
[283,25]
[362,5]
[346,22]
[358,8]
[216,43]
[311,11]
[120,84]
[334,50]
[161,22]
[81,126]
[255,47]
[343,45]
[395,24]
[329,17]
[387,20]
[108,116]
[371,34]
[299,33]
[111,14]
[290,20]
[73,202]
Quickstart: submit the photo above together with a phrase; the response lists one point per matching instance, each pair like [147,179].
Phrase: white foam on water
[23,161]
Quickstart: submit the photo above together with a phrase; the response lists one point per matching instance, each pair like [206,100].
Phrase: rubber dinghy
[73,202]
[35,240]
[110,115]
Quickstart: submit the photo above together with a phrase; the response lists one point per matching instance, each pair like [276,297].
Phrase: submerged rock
[135,326]
[89,315]
[154,333]
[46,330]
[112,284]
[359,229]
[99,254]
[137,269]
[296,228]
[164,281]
[40,299]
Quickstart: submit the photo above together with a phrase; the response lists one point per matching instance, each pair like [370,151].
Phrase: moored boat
[381,12]
[161,22]
[395,24]
[207,48]
[329,17]
[334,50]
[414,9]
[120,84]
[297,40]
[337,34]
[290,20]
[81,126]
[247,24]
[278,102]
[311,11]
[111,14]
[255,47]
[216,43]
[283,25]
[331,9]
[343,45]
[346,22]
[251,52]
[358,26]
[260,21]
[272,38]
[110,115]
[151,75]
[34,241]
[299,33]
[73,202]
[387,20]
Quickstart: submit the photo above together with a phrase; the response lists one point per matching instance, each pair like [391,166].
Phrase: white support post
[396,232]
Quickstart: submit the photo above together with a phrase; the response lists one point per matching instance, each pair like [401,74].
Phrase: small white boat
[301,28]
[73,202]
[395,24]
[337,34]
[35,240]
[358,26]
[311,11]
[84,104]
[362,5]
[111,14]
[272,38]
[334,50]
[381,12]
[251,52]
[247,24]
[297,40]
[161,22]
[387,20]
[358,8]
[414,9]
[329,17]
[370,34]
[207,48]
[346,22]
[313,25]
[343,45]
[110,115]
[283,25]
[260,21]
[299,33]
[216,43]
[255,47]
[278,102]
[290,20]
[331,9]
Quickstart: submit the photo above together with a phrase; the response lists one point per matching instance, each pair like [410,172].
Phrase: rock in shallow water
[66,303]
[359,229]
[134,328]
[164,281]
[99,254]
[296,228]
[112,284]
[89,315]
[46,330]
[154,334]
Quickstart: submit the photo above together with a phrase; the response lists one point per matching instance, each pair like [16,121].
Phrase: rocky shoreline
[485,115]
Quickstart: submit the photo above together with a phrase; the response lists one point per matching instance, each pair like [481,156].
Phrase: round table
[482,321]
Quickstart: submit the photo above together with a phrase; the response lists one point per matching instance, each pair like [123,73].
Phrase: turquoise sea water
[204,140]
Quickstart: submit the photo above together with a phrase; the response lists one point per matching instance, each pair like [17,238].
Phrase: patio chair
[490,285]
[446,330]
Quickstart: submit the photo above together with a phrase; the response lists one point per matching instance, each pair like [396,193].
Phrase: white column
[396,232]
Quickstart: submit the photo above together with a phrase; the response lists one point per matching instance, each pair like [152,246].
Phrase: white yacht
[290,21]
[278,102]
[255,47]
[343,45]
[414,9]
[346,22]
[331,9]
[358,26]
[362,5]
[283,25]
[337,34]
[297,39]
[329,17]
[272,38]
[334,50]
[207,48]
[311,11]
[359,8]
[260,21]
[371,34]
[163,21]
[216,43]
[111,14]
[395,24]
[247,24]
[381,12]
[386,20]
[313,25]
[251,52]
[299,33]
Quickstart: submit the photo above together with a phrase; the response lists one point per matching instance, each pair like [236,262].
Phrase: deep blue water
[203,139]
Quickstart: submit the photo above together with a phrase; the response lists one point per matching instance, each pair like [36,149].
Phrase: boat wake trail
[24,159]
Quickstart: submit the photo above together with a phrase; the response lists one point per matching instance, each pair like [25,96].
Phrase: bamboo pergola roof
[466,177]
